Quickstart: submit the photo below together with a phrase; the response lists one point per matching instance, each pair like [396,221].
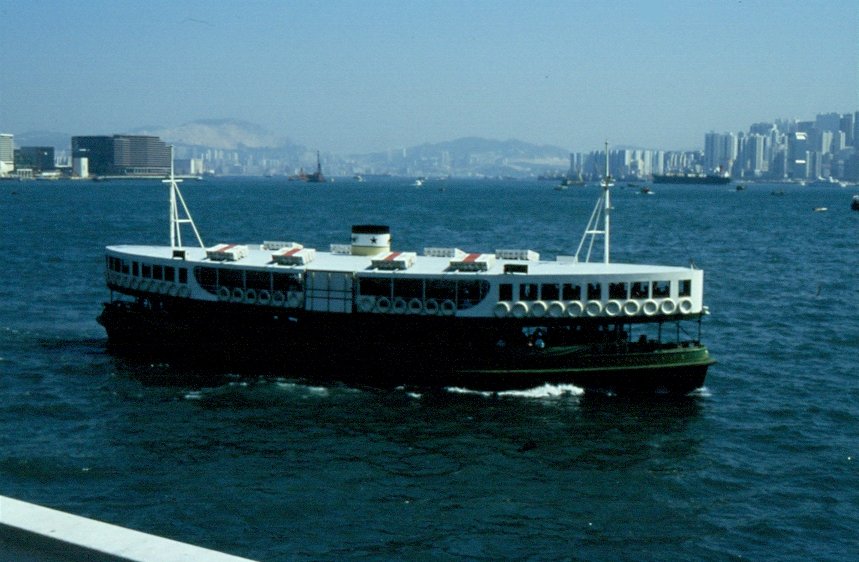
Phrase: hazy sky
[366,75]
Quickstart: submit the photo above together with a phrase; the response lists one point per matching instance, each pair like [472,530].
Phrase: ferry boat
[366,312]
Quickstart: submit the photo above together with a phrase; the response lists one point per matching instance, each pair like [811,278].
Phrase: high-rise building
[720,151]
[123,154]
[798,155]
[755,154]
[847,125]
[7,153]
[828,122]
[36,158]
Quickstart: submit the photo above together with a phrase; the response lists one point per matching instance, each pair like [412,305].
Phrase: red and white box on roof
[294,256]
[394,260]
[473,262]
[227,252]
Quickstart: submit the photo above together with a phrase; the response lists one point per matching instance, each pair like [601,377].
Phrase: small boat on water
[646,191]
[854,203]
[317,176]
[365,312]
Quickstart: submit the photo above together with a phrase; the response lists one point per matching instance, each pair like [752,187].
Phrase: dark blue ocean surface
[762,464]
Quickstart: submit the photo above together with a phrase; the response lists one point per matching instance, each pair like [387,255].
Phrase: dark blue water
[762,464]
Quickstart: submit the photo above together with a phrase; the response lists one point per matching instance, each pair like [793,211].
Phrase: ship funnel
[370,239]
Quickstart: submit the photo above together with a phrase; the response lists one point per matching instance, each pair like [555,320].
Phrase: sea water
[760,464]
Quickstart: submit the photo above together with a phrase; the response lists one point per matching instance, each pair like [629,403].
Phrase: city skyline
[824,148]
[352,77]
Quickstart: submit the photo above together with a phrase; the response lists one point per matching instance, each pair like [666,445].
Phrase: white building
[7,154]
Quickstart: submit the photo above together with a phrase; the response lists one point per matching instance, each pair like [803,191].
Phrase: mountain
[511,149]
[249,149]
[470,156]
[224,134]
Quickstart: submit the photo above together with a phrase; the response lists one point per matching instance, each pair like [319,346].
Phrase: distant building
[80,167]
[720,151]
[7,154]
[37,158]
[189,166]
[798,155]
[123,155]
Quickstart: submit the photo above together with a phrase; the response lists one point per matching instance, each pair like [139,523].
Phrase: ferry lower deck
[613,355]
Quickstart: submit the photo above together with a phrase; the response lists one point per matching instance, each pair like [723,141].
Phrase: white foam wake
[545,391]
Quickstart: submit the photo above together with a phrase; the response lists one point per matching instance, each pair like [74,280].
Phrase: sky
[363,75]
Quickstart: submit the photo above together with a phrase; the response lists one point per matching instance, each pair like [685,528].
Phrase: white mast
[175,221]
[602,208]
[607,210]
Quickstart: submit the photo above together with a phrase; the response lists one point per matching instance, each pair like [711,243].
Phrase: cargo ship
[365,312]
[691,179]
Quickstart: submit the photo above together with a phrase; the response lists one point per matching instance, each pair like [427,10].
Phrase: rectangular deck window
[231,278]
[617,291]
[441,290]
[528,292]
[183,275]
[571,292]
[157,272]
[639,290]
[169,274]
[146,271]
[685,289]
[135,268]
[550,292]
[469,293]
[285,282]
[409,288]
[258,280]
[661,289]
[594,291]
[505,292]
[207,277]
[375,287]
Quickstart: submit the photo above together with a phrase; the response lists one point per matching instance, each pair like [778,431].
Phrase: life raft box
[227,252]
[294,256]
[473,262]
[394,261]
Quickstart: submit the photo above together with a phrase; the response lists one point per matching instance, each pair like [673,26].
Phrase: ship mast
[602,210]
[607,208]
[175,221]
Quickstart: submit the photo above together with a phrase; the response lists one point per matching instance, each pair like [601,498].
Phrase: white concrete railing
[30,532]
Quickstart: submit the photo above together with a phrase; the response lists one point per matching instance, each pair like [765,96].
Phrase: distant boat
[300,176]
[646,191]
[567,182]
[316,177]
[741,187]
[821,209]
[358,177]
[691,179]
[419,182]
[854,204]
[824,182]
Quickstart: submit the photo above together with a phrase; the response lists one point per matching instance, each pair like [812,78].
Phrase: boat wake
[544,391]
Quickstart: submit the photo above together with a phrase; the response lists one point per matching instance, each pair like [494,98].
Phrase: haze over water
[348,76]
[759,465]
